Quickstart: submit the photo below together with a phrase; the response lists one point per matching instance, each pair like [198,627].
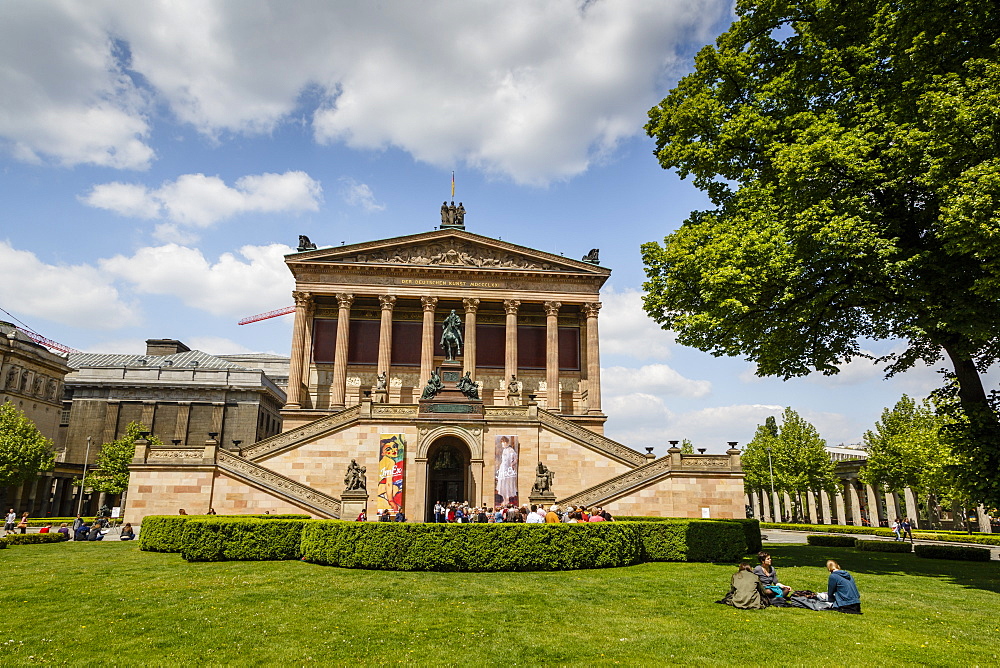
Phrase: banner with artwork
[391,463]
[505,472]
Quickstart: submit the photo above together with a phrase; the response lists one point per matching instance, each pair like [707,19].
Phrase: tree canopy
[849,152]
[24,451]
[111,472]
[798,457]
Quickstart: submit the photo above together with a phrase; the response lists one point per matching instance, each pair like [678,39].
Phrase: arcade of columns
[854,502]
[301,354]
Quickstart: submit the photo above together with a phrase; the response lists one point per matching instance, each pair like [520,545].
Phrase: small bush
[882,546]
[952,552]
[165,533]
[715,540]
[31,538]
[825,540]
[239,539]
[751,529]
[3,545]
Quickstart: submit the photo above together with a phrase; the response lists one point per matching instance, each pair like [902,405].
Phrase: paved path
[799,537]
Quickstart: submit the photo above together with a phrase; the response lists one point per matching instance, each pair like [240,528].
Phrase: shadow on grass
[975,575]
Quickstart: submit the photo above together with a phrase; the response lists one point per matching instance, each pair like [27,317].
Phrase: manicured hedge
[517,547]
[165,533]
[882,546]
[952,552]
[238,539]
[45,521]
[751,528]
[3,545]
[980,539]
[32,538]
[830,541]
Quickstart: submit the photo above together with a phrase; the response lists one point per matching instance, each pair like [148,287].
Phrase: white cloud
[653,379]
[198,201]
[625,329]
[533,91]
[216,345]
[360,195]
[67,294]
[230,286]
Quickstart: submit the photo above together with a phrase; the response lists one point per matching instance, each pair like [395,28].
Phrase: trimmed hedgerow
[882,546]
[981,539]
[751,528]
[952,552]
[517,547]
[238,539]
[165,533]
[831,541]
[31,538]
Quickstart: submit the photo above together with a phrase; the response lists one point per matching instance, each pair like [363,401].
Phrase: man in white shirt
[534,517]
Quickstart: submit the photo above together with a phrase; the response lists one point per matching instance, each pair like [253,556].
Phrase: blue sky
[158,159]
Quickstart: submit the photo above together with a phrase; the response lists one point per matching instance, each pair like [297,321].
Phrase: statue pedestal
[352,503]
[380,396]
[514,399]
[542,499]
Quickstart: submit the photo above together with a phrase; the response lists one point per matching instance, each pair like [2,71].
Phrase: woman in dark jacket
[842,592]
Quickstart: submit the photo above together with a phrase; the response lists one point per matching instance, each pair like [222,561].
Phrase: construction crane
[270,314]
[38,338]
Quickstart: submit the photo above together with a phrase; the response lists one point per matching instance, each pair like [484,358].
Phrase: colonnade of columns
[852,505]
[301,354]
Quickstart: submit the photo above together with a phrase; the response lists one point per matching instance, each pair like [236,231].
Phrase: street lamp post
[83,481]
[771,469]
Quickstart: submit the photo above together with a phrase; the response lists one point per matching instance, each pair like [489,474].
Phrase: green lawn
[110,604]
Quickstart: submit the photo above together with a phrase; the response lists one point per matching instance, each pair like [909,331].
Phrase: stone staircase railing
[619,485]
[589,439]
[279,485]
[270,446]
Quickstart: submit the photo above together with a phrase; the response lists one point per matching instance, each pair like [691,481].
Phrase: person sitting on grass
[842,592]
[63,531]
[128,533]
[745,590]
[95,531]
[768,576]
[81,532]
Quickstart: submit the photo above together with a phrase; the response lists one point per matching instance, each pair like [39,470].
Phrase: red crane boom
[48,343]
[270,314]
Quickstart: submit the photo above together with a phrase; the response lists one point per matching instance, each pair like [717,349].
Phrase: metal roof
[188,360]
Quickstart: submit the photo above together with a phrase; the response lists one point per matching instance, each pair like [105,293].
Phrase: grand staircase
[277,484]
[620,485]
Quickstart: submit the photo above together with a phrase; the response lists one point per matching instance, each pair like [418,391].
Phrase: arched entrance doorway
[447,472]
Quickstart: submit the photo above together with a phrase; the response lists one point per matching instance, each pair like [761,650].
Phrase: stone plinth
[450,402]
[545,500]
[352,503]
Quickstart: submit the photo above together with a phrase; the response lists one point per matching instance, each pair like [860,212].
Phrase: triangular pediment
[447,248]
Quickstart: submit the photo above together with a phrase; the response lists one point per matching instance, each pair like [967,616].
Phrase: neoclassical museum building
[440,366]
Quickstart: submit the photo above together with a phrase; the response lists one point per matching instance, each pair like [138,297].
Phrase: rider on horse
[451,336]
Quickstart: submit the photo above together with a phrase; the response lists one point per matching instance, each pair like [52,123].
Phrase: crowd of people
[80,530]
[758,587]
[461,513]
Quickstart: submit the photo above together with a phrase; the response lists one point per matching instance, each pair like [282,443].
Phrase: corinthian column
[385,334]
[427,339]
[510,347]
[471,309]
[593,359]
[302,303]
[338,389]
[552,397]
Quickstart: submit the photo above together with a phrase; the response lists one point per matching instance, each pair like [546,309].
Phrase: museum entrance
[447,473]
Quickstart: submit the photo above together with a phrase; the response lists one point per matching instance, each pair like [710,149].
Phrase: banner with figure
[391,462]
[505,473]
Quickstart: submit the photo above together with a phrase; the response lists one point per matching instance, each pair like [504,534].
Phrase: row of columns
[302,345]
[46,496]
[848,507]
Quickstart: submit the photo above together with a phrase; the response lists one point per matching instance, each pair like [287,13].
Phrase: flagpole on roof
[453,185]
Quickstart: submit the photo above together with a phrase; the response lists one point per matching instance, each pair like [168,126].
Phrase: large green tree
[849,150]
[798,457]
[111,472]
[907,448]
[24,452]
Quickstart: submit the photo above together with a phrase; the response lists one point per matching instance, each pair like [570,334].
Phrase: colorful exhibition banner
[392,453]
[505,474]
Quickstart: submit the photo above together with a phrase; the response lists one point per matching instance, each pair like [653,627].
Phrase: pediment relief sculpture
[454,253]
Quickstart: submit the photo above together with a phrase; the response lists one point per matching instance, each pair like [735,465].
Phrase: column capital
[345,300]
[387,301]
[591,309]
[429,303]
[471,304]
[552,308]
[511,306]
[302,298]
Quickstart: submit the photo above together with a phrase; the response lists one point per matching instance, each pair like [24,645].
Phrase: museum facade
[511,335]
